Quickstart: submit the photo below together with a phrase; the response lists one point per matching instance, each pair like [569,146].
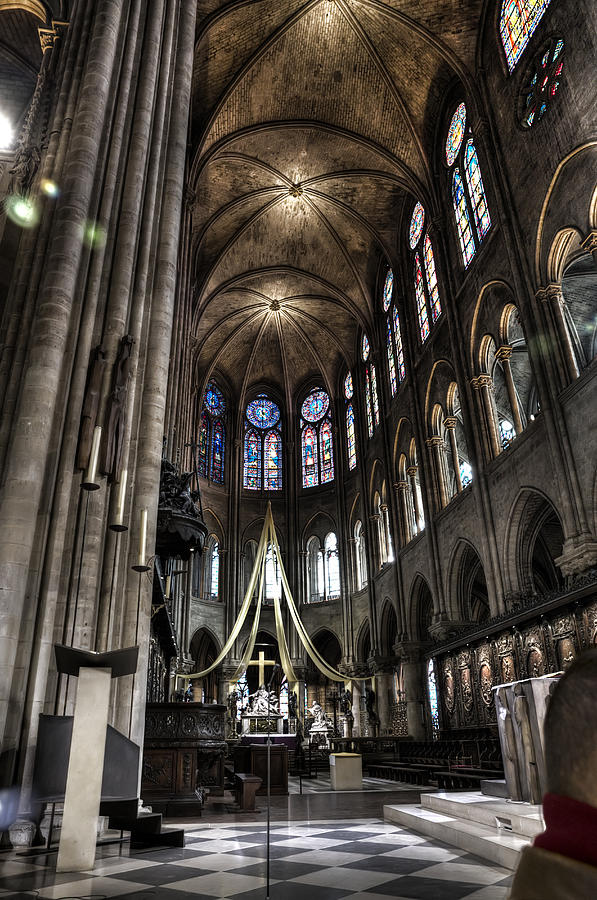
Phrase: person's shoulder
[544,875]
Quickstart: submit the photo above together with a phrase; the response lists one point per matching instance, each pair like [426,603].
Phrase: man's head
[571,732]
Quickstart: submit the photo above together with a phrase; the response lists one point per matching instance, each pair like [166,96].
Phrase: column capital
[47,36]
[450,422]
[409,651]
[374,517]
[503,353]
[550,294]
[590,242]
[412,471]
[484,380]
[435,441]
[400,486]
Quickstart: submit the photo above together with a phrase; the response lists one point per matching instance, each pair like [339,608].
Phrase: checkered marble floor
[326,860]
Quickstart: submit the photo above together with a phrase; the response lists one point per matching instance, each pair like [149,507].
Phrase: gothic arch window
[518,21]
[331,567]
[360,556]
[395,353]
[262,468]
[211,443]
[433,699]
[214,573]
[314,570]
[351,441]
[542,83]
[471,211]
[317,444]
[427,294]
[371,395]
[272,576]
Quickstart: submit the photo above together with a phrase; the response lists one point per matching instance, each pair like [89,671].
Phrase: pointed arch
[476,190]
[463,222]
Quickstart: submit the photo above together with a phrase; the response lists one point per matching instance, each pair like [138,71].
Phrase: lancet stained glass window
[374,396]
[468,194]
[391,359]
[399,350]
[317,447]
[463,222]
[350,437]
[518,21]
[211,443]
[365,348]
[388,290]
[215,570]
[262,467]
[368,401]
[421,301]
[476,190]
[416,225]
[436,308]
[433,702]
[348,388]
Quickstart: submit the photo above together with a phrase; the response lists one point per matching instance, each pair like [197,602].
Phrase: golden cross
[262,662]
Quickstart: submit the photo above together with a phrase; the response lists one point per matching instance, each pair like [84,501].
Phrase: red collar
[570,828]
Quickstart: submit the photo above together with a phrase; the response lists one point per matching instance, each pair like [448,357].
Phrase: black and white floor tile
[362,860]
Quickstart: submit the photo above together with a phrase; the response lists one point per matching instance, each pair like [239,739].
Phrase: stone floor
[324,846]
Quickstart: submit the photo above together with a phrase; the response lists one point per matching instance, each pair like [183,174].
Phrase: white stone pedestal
[85,772]
[346,771]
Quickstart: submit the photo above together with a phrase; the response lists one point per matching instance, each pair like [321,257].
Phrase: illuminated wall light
[7,133]
[22,211]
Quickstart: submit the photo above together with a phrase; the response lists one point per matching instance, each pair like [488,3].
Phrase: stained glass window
[332,567]
[327,456]
[388,290]
[466,474]
[399,350]
[272,475]
[391,359]
[544,84]
[252,479]
[214,399]
[421,302]
[374,397]
[463,222]
[350,437]
[432,285]
[217,453]
[476,190]
[315,406]
[365,348]
[215,569]
[348,388]
[455,133]
[263,448]
[368,401]
[507,432]
[309,445]
[203,445]
[316,439]
[263,413]
[433,702]
[211,441]
[518,20]
[416,225]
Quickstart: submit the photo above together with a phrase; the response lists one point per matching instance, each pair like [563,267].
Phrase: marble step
[495,787]
[500,847]
[520,818]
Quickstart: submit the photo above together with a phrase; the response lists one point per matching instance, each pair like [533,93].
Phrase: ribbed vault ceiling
[311,124]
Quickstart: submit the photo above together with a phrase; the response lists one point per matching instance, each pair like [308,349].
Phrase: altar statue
[262,703]
[321,727]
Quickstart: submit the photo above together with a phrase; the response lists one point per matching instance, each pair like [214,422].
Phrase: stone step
[520,818]
[500,847]
[495,787]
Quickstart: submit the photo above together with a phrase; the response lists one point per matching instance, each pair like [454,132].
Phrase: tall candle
[118,523]
[167,592]
[90,483]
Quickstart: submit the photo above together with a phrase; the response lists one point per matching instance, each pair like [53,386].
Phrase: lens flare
[7,132]
[94,235]
[22,211]
[48,187]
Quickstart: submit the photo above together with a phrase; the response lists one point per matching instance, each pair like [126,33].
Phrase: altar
[252,760]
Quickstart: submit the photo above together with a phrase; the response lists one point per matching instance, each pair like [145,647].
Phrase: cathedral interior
[330,259]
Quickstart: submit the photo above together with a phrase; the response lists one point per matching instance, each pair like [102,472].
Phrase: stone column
[436,451]
[416,498]
[383,688]
[402,489]
[450,423]
[503,354]
[375,543]
[485,387]
[414,689]
[553,301]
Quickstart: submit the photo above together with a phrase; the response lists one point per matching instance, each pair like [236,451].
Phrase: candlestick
[141,566]
[118,523]
[90,483]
